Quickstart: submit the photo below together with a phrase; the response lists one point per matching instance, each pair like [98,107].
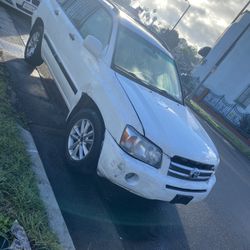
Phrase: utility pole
[244,8]
[183,14]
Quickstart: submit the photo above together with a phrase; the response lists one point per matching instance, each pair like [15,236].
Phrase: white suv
[127,119]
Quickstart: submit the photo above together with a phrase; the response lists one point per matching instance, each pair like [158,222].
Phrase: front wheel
[32,52]
[84,138]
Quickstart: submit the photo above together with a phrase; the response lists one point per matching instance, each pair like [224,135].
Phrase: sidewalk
[25,192]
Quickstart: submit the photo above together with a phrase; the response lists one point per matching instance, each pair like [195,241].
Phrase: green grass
[19,196]
[225,132]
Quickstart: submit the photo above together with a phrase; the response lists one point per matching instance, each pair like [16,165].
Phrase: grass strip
[19,196]
[225,132]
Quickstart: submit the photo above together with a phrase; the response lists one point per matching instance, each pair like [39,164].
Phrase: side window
[78,10]
[98,25]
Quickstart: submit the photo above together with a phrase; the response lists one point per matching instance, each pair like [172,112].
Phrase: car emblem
[195,173]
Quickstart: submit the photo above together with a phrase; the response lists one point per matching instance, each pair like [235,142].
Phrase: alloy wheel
[81,139]
[33,43]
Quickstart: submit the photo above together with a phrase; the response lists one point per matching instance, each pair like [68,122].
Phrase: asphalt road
[100,216]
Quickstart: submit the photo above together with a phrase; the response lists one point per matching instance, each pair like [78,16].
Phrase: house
[224,76]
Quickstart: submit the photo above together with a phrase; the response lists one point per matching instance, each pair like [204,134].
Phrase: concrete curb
[56,219]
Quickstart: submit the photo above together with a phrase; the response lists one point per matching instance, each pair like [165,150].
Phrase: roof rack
[118,8]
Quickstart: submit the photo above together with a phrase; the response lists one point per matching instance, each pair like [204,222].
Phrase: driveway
[101,216]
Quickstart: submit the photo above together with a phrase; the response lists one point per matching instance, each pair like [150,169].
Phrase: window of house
[244,99]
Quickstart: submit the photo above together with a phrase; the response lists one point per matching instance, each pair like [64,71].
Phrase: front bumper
[146,181]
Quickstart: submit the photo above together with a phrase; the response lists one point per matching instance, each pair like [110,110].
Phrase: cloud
[205,21]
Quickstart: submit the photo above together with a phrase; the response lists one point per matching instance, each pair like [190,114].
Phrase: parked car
[25,6]
[127,119]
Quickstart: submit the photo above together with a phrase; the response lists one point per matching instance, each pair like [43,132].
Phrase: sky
[205,21]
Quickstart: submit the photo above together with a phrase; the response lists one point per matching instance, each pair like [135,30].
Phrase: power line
[244,8]
[183,14]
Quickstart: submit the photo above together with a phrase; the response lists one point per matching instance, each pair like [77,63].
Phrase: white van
[127,120]
[25,6]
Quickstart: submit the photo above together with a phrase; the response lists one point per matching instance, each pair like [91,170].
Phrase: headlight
[141,148]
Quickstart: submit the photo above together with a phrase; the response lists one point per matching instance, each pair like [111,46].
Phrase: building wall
[232,77]
[226,70]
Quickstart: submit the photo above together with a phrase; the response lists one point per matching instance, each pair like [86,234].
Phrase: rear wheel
[32,52]
[84,137]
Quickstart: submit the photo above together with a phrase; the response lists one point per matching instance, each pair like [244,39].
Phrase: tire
[81,156]
[32,52]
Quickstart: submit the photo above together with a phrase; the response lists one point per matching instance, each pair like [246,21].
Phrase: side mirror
[94,46]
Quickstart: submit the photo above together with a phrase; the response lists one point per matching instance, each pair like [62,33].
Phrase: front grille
[36,2]
[185,169]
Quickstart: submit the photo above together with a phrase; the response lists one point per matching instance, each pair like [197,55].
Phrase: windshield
[140,59]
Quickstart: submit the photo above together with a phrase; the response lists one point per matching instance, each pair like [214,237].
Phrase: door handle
[72,36]
[57,12]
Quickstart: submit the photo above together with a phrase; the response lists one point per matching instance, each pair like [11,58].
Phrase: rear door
[65,43]
[86,17]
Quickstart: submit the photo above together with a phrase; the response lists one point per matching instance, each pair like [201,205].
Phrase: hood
[170,125]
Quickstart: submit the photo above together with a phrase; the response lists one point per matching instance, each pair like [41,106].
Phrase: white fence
[229,111]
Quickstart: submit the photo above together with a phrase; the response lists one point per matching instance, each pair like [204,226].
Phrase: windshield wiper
[165,93]
[129,73]
[150,86]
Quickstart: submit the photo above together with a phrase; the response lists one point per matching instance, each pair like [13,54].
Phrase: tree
[171,37]
[204,51]
[186,57]
[148,17]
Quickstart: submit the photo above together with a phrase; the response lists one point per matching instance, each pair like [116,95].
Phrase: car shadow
[90,206]
[141,223]
[36,97]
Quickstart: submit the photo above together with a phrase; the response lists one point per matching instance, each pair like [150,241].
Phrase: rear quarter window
[98,25]
[78,10]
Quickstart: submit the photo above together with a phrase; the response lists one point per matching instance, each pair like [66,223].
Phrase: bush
[245,124]
[19,195]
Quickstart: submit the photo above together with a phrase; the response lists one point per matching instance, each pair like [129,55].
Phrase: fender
[85,101]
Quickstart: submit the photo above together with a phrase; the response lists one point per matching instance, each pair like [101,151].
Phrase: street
[100,215]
